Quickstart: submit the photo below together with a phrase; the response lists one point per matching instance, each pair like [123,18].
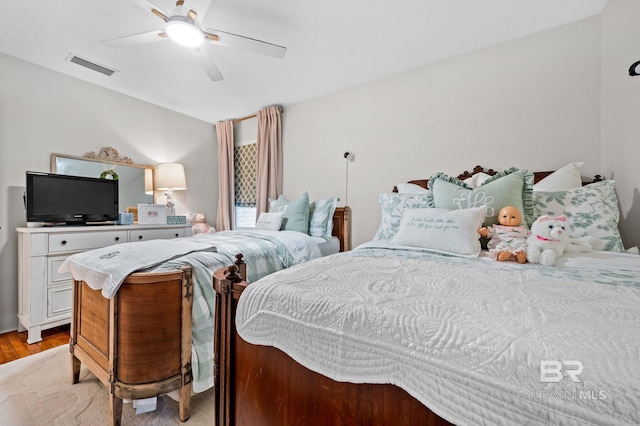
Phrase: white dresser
[44,295]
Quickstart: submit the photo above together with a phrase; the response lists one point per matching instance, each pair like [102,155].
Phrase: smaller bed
[155,333]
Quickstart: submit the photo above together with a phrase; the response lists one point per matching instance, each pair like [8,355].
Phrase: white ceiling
[331,44]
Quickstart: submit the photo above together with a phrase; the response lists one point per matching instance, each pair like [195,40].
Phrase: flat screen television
[65,199]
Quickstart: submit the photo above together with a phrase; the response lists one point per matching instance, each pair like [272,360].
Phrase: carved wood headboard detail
[537,177]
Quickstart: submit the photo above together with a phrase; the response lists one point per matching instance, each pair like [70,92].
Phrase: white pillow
[269,221]
[410,188]
[477,180]
[563,179]
[442,230]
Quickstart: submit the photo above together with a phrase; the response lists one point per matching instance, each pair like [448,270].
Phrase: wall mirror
[136,182]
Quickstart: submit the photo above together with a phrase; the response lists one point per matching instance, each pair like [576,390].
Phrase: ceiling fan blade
[207,64]
[195,11]
[245,43]
[131,40]
[147,5]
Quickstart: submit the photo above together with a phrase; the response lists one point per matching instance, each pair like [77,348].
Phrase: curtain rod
[247,117]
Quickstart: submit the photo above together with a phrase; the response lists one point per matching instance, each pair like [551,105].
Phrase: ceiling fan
[183,26]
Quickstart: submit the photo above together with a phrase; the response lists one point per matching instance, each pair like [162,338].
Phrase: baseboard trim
[8,322]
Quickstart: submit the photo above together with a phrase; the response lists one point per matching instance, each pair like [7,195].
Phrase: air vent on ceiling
[91,65]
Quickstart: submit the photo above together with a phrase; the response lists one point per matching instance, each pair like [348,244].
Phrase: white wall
[620,112]
[532,103]
[42,111]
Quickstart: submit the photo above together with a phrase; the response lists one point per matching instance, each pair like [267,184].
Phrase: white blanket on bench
[106,268]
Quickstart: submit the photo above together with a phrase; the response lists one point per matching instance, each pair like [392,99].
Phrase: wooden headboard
[537,177]
[342,227]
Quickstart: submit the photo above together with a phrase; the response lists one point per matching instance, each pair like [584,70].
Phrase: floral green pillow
[392,207]
[591,209]
[512,187]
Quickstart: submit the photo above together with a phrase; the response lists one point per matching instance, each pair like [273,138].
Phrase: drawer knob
[139,237]
[117,238]
[177,235]
[63,242]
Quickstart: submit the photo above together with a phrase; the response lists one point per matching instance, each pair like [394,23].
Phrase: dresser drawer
[55,277]
[59,300]
[84,241]
[155,234]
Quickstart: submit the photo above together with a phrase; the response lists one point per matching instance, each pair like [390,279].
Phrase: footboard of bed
[263,385]
[138,344]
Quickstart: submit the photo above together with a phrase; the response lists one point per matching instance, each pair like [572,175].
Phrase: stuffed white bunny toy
[549,240]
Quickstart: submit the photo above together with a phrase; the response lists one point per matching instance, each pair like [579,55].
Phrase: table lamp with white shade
[170,177]
[148,181]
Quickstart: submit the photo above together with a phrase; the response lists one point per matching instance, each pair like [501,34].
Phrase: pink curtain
[225,217]
[269,153]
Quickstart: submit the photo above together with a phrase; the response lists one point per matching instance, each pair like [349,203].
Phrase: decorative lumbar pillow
[563,179]
[296,213]
[392,207]
[321,217]
[269,221]
[442,230]
[512,187]
[592,211]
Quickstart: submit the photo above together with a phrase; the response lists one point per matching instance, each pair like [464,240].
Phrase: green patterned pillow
[591,209]
[512,187]
[392,207]
[321,217]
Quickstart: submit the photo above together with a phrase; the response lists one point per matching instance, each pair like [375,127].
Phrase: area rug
[37,390]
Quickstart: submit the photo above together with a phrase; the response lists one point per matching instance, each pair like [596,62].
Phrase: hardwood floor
[13,345]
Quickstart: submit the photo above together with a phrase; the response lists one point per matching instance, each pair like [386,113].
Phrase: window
[244,161]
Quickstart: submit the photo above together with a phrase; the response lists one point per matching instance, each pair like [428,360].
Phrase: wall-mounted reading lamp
[634,69]
[350,158]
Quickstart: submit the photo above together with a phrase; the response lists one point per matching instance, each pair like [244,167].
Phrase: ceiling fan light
[184,33]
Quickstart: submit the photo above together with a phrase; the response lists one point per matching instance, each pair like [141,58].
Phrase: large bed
[147,331]
[393,334]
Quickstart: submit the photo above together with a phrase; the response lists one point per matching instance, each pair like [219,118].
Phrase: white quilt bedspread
[466,337]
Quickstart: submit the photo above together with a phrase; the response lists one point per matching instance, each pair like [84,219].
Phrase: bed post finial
[232,275]
[242,266]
